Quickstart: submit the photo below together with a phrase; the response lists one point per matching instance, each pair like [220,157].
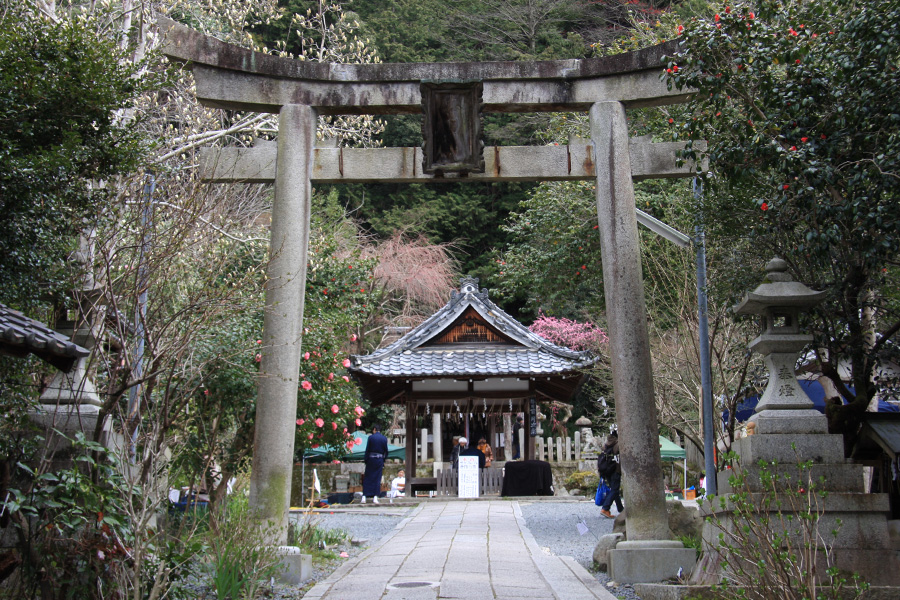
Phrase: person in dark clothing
[454,453]
[376,453]
[515,434]
[615,479]
[465,450]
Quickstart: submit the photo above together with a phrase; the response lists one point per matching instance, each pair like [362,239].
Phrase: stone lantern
[779,300]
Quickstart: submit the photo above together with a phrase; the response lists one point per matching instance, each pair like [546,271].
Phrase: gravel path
[554,526]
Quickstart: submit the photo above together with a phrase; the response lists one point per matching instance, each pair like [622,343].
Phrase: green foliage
[582,480]
[70,529]
[770,536]
[314,540]
[60,135]
[242,561]
[798,102]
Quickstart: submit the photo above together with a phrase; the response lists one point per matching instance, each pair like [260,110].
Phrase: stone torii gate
[452,95]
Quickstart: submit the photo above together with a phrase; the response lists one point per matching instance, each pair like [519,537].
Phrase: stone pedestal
[649,560]
[296,566]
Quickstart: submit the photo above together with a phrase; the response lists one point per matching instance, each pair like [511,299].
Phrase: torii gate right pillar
[649,554]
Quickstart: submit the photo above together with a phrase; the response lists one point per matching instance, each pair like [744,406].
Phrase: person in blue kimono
[376,453]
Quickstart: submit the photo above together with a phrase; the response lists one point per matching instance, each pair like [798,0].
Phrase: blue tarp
[813,389]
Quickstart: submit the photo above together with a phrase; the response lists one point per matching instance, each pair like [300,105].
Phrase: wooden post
[410,444]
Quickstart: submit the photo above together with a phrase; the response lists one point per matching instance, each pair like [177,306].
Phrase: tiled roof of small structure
[527,355]
[20,335]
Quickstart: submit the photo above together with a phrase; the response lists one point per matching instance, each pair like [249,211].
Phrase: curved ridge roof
[525,353]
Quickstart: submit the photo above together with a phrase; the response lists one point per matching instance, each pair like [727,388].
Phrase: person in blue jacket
[376,453]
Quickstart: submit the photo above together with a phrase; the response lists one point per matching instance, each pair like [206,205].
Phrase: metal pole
[709,432]
[137,369]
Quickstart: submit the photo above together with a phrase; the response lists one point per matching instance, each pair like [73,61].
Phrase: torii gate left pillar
[276,410]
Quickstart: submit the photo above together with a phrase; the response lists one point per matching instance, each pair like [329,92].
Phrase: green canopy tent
[671,452]
[327,453]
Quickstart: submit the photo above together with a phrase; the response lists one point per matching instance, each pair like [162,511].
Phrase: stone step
[840,477]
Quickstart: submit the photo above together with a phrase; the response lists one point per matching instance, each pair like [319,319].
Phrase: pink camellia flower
[259,358]
[353,337]
[320,422]
[359,410]
[346,362]
[358,423]
[331,377]
[345,431]
[350,445]
[310,436]
[334,408]
[358,441]
[306,356]
[300,421]
[345,378]
[334,425]
[315,445]
[306,385]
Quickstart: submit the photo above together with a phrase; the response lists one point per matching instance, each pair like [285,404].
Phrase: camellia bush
[798,101]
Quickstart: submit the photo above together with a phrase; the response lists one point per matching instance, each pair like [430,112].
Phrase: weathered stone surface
[788,450]
[683,520]
[297,567]
[647,564]
[601,550]
[661,591]
[276,407]
[403,165]
[628,336]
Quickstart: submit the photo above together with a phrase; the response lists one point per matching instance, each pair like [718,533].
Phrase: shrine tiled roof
[20,335]
[519,353]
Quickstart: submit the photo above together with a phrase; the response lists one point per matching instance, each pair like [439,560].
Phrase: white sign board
[468,476]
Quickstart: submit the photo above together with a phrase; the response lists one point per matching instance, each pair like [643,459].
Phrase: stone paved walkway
[460,549]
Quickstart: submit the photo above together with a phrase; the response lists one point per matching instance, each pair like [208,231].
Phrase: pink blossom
[345,378]
[334,408]
[310,436]
[334,425]
[306,356]
[346,362]
[358,441]
[572,334]
[259,358]
[320,422]
[350,445]
[331,377]
[306,385]
[353,337]
[358,422]
[359,410]
[300,422]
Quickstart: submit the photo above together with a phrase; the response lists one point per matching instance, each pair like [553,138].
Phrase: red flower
[764,206]
[333,425]
[804,139]
[785,186]
[320,422]
[680,29]
[346,362]
[797,61]
[584,266]
[306,385]
[793,148]
[306,356]
[717,17]
[671,120]
[335,409]
[751,16]
[727,10]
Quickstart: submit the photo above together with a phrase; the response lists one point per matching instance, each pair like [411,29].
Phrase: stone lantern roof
[778,290]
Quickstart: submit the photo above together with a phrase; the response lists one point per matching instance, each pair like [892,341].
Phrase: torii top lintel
[236,78]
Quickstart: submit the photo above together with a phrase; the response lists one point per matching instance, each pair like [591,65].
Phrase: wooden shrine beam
[404,165]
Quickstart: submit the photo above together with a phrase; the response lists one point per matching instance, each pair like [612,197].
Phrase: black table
[527,478]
